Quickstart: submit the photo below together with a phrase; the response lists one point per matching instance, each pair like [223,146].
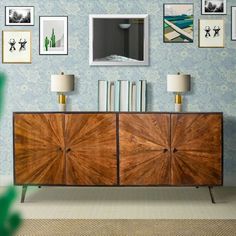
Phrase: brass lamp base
[62,102]
[178,103]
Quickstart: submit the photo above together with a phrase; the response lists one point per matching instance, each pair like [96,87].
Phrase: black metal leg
[211,194]
[197,186]
[39,186]
[24,188]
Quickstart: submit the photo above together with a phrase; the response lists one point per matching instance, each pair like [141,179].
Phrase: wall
[213,70]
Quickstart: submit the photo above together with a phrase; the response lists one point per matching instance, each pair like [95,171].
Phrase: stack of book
[122,95]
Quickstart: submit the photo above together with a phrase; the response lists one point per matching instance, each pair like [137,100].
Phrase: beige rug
[128,227]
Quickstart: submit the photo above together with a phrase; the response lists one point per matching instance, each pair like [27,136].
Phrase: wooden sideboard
[118,149]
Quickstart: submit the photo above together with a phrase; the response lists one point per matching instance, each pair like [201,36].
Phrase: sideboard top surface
[107,112]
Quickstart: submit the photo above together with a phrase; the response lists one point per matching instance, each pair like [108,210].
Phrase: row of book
[122,95]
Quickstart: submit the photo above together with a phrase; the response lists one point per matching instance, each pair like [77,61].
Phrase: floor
[128,203]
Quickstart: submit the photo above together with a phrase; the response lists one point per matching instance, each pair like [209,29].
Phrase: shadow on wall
[2,85]
[229,150]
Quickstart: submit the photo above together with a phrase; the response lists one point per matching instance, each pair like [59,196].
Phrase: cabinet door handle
[165,150]
[68,150]
[175,150]
[59,149]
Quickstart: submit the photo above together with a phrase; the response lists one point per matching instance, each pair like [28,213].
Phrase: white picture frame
[233,23]
[219,7]
[119,60]
[211,33]
[19,15]
[53,35]
[16,46]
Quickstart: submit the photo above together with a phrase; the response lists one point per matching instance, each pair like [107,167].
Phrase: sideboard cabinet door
[144,149]
[91,157]
[196,149]
[39,149]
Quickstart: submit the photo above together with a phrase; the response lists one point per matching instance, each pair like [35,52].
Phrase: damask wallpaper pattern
[213,70]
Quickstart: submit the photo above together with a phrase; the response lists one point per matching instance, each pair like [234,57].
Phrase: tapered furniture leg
[211,194]
[24,188]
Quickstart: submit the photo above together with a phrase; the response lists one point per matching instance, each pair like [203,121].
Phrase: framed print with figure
[211,33]
[16,46]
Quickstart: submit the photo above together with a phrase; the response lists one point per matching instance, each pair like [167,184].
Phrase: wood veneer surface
[196,149]
[39,149]
[144,149]
[91,149]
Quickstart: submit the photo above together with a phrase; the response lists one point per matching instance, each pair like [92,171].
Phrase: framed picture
[53,35]
[16,46]
[118,40]
[211,33]
[214,7]
[233,23]
[178,23]
[19,16]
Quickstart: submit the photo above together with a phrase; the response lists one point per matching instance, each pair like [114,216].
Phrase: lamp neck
[178,98]
[61,98]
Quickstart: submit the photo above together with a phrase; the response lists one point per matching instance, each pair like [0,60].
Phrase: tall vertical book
[124,95]
[102,95]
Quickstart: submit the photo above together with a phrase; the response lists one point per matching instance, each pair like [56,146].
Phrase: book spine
[102,95]
[112,96]
[134,98]
[139,95]
[108,95]
[130,95]
[124,95]
[117,96]
[144,89]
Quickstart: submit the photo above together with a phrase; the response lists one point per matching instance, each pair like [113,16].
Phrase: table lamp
[178,84]
[61,84]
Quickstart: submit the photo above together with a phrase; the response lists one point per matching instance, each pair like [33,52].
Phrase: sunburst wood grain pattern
[91,149]
[196,149]
[144,149]
[39,149]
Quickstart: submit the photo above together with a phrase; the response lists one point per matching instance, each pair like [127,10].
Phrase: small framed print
[16,46]
[211,33]
[19,16]
[53,35]
[178,23]
[233,23]
[214,7]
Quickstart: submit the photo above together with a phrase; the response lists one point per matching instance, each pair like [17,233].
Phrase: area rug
[127,227]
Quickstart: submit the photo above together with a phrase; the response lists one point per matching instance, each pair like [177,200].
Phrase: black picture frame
[53,54]
[164,5]
[219,14]
[20,24]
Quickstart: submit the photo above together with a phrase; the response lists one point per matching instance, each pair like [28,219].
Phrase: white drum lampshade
[179,83]
[62,84]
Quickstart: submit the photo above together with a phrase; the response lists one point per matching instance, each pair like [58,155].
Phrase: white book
[124,95]
[130,95]
[117,95]
[143,97]
[112,96]
[138,95]
[102,95]
[108,95]
[134,98]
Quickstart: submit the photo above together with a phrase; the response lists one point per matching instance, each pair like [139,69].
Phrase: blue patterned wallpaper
[213,70]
